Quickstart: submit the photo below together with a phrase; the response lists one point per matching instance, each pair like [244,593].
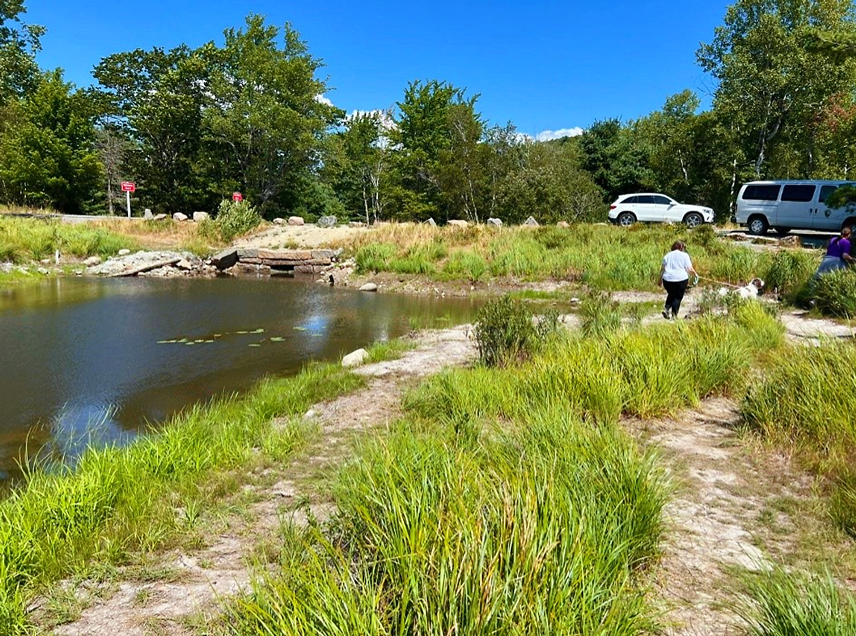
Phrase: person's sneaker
[667,314]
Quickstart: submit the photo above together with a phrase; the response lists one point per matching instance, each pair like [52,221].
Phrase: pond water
[98,360]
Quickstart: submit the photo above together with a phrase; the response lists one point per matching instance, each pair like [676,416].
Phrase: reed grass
[24,240]
[117,500]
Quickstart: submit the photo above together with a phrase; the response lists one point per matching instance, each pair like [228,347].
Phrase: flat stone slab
[225,259]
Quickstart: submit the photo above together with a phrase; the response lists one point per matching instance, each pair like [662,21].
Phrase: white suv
[653,207]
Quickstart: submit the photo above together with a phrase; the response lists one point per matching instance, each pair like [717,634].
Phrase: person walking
[674,276]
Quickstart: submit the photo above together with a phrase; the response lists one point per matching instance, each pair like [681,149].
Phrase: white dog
[752,290]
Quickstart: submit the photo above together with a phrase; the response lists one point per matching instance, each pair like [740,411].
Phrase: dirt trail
[203,578]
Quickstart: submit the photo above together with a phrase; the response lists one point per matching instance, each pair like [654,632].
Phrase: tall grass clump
[235,218]
[507,331]
[784,604]
[23,240]
[116,500]
[790,273]
[600,314]
[540,528]
[835,293]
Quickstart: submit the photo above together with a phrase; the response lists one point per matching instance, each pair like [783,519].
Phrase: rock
[563,224]
[45,261]
[92,261]
[201,216]
[494,222]
[184,264]
[356,224]
[791,240]
[123,252]
[295,220]
[279,221]
[326,221]
[225,259]
[369,287]
[355,358]
[43,271]
[147,215]
[458,223]
[159,217]
[178,216]
[531,222]
[431,222]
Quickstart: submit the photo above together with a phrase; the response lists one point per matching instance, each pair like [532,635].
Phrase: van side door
[796,206]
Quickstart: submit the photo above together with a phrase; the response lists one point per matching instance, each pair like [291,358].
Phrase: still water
[85,360]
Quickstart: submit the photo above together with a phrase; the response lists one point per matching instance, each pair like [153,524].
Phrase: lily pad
[276,339]
[300,328]
[254,344]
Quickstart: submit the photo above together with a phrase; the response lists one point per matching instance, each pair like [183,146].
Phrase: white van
[789,205]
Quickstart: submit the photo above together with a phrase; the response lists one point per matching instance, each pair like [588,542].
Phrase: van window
[825,191]
[799,193]
[766,192]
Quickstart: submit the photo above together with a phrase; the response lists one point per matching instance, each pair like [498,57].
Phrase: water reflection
[95,360]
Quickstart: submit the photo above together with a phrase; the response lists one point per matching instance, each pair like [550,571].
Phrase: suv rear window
[800,193]
[761,192]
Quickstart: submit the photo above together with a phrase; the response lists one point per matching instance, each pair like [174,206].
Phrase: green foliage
[24,240]
[835,293]
[19,43]
[790,274]
[235,218]
[600,314]
[782,603]
[841,197]
[506,331]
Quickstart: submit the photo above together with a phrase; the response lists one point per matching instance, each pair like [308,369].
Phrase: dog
[754,289]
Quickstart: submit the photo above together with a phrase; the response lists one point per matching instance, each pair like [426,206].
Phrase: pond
[100,359]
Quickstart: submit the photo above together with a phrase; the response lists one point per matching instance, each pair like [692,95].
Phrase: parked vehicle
[789,205]
[652,207]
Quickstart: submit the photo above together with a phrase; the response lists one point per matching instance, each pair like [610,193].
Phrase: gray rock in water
[295,220]
[43,271]
[327,221]
[279,221]
[355,359]
[92,261]
[124,252]
[495,222]
[531,222]
[431,222]
[225,259]
[178,216]
[369,287]
[147,215]
[200,216]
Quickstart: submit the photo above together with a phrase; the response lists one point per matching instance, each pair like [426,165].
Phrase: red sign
[237,196]
[128,186]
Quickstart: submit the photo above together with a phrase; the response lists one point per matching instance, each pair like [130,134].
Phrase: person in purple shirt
[837,254]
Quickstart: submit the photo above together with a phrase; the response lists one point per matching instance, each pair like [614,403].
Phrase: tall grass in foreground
[783,604]
[803,403]
[508,501]
[118,500]
[23,240]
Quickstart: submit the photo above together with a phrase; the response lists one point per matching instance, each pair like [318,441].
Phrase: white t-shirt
[675,266]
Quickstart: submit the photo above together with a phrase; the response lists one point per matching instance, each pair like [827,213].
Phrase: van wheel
[782,230]
[626,219]
[758,225]
[851,223]
[693,219]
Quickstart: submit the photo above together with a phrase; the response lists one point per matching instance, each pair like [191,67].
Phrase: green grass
[509,499]
[115,501]
[388,350]
[24,240]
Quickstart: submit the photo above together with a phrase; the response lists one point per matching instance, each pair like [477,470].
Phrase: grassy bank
[600,256]
[509,499]
[116,501]
[26,240]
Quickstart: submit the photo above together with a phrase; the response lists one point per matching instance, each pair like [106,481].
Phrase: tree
[19,43]
[769,78]
[617,163]
[264,117]
[47,158]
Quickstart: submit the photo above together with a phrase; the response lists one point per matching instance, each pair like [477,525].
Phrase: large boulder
[279,221]
[295,220]
[178,216]
[431,222]
[531,222]
[458,223]
[92,261]
[494,222]
[225,259]
[147,215]
[123,252]
[327,221]
[159,217]
[200,216]
[369,287]
[355,358]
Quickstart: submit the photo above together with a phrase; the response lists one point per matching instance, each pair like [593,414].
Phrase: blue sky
[545,66]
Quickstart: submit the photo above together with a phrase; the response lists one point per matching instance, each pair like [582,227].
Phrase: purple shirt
[838,247]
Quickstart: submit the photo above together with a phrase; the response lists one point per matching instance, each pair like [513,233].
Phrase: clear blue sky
[543,65]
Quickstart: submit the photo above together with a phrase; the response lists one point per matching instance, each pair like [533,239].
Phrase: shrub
[505,331]
[835,293]
[375,257]
[235,218]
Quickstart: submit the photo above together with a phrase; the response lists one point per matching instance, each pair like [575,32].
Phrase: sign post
[237,196]
[128,187]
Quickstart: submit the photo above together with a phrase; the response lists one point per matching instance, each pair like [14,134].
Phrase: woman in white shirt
[674,276]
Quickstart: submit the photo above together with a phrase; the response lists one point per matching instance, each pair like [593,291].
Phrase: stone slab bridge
[296,261]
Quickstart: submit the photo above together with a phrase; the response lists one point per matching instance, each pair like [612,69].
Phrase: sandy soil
[292,236]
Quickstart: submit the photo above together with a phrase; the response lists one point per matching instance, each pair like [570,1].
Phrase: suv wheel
[626,219]
[758,225]
[693,219]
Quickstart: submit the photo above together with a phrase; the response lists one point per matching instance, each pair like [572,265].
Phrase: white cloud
[548,135]
[323,100]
